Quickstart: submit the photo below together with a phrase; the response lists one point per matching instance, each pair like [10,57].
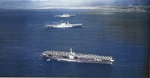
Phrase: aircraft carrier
[77,57]
[63,25]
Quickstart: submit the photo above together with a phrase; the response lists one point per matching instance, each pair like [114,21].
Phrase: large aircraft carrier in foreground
[77,57]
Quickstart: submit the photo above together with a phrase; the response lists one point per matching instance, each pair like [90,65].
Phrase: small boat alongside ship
[63,25]
[77,57]
[64,15]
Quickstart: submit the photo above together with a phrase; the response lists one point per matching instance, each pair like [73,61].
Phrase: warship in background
[64,15]
[77,57]
[63,25]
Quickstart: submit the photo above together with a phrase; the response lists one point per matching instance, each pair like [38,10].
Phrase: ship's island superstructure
[77,57]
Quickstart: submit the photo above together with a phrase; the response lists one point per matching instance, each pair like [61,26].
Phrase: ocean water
[122,35]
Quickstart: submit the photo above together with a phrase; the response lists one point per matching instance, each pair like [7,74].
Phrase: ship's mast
[70,50]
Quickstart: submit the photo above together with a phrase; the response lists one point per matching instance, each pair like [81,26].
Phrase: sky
[30,4]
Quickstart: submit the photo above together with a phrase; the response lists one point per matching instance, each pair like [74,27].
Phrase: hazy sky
[12,4]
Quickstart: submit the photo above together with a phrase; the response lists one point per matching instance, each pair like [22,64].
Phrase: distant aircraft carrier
[64,15]
[77,57]
[63,25]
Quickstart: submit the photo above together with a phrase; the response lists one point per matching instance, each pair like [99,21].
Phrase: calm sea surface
[123,35]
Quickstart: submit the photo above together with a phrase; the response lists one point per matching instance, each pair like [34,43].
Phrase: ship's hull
[63,26]
[79,60]
[64,16]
